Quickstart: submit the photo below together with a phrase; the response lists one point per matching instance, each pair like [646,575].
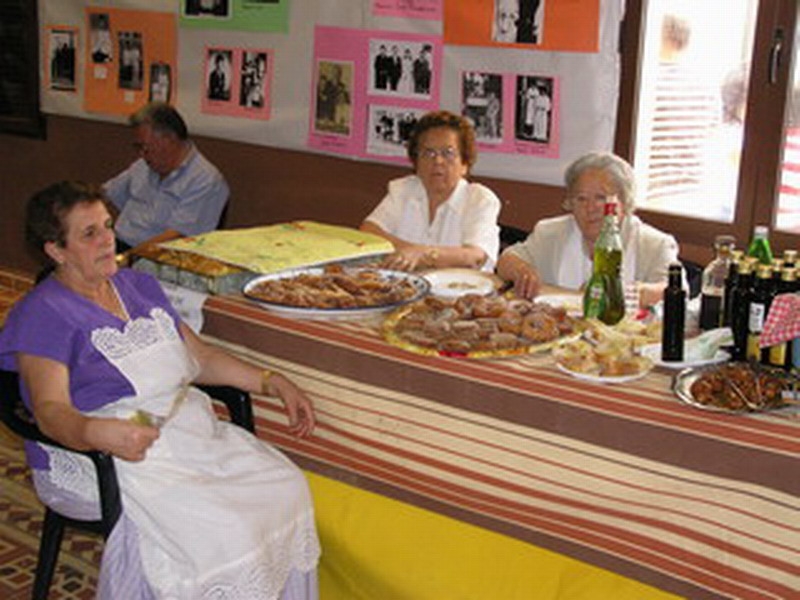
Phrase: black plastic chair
[16,416]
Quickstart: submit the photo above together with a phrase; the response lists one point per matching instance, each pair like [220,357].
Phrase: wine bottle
[674,316]
[603,296]
[760,302]
[730,285]
[740,308]
[712,290]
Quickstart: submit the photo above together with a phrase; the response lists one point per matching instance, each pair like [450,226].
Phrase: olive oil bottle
[603,297]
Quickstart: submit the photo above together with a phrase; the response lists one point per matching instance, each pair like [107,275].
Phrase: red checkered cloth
[783,320]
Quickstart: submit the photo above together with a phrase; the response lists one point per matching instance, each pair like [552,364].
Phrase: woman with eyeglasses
[435,218]
[559,250]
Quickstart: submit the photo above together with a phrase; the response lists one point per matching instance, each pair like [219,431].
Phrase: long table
[622,477]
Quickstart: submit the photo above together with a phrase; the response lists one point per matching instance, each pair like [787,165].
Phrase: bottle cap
[764,272]
[760,231]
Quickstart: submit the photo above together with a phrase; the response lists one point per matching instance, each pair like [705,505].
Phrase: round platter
[391,335]
[682,386]
[601,378]
[653,352]
[420,285]
[452,283]
[572,303]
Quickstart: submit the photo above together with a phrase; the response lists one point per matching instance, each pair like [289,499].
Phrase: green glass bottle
[759,246]
[604,297]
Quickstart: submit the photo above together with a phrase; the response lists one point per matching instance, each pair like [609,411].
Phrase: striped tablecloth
[624,477]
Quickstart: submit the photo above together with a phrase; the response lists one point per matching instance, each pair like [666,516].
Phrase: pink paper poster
[237,82]
[409,9]
[513,113]
[368,89]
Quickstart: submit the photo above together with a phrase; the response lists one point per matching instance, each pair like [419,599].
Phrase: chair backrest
[17,418]
[12,410]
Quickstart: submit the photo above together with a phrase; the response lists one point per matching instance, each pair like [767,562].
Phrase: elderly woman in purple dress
[209,511]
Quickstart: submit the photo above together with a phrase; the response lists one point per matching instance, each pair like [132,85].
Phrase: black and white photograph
[333,112]
[389,129]
[62,59]
[482,98]
[160,82]
[533,109]
[100,38]
[207,8]
[253,79]
[400,68]
[518,21]
[131,62]
[219,76]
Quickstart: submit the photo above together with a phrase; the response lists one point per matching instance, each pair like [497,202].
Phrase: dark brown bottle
[740,308]
[674,316]
[730,284]
[712,287]
[760,302]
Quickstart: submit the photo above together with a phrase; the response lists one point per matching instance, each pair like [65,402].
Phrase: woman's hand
[410,258]
[526,283]
[522,275]
[121,438]
[298,406]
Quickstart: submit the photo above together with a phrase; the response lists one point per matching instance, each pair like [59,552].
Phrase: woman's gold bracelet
[431,257]
[266,375]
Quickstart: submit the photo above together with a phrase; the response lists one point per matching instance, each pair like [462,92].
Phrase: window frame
[760,169]
[28,120]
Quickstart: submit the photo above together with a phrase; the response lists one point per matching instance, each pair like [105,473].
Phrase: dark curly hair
[46,211]
[457,123]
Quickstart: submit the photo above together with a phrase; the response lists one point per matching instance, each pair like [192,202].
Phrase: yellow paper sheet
[274,248]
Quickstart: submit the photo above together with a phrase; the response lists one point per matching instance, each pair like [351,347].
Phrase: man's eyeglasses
[449,154]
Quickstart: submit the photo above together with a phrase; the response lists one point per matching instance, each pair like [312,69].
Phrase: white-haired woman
[559,250]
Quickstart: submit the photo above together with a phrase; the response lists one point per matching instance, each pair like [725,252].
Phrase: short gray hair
[618,168]
[162,117]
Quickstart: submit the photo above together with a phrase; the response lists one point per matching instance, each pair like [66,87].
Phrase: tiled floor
[20,527]
[12,287]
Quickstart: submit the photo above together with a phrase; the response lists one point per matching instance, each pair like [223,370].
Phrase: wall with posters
[348,78]
[285,150]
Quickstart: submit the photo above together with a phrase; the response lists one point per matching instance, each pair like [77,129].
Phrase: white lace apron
[219,513]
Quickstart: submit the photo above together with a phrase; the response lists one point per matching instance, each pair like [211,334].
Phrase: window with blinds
[19,69]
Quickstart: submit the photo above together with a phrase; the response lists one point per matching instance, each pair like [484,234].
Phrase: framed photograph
[534,106]
[482,104]
[160,82]
[219,73]
[61,46]
[518,21]
[400,68]
[253,79]
[131,63]
[333,111]
[100,38]
[207,8]
[389,129]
